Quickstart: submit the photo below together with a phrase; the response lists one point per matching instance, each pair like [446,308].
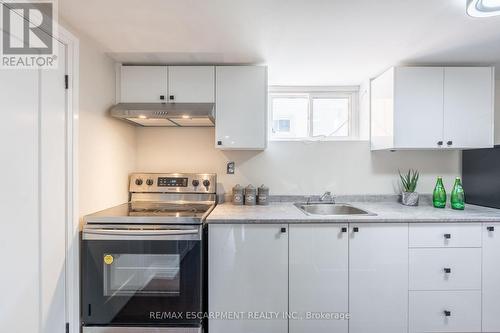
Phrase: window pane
[289,117]
[331,116]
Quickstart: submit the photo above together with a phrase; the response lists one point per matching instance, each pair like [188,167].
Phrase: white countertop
[286,212]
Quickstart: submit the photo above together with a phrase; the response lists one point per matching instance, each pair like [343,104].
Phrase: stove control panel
[173,182]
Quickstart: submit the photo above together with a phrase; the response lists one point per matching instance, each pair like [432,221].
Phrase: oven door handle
[135,234]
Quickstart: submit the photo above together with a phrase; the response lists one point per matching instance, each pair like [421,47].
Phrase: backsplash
[293,168]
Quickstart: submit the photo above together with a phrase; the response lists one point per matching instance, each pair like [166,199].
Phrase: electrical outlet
[230,168]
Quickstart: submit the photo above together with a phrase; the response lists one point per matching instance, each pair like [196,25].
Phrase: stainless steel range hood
[166,114]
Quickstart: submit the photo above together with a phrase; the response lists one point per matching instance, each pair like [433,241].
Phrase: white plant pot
[409,198]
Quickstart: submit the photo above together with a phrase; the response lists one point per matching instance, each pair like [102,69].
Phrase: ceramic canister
[263,195]
[237,195]
[250,195]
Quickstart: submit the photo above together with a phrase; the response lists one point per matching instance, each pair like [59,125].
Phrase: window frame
[311,93]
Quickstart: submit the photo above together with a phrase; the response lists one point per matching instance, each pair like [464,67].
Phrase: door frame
[72,272]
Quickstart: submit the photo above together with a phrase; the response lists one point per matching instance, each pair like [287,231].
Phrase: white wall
[111,149]
[292,167]
[106,145]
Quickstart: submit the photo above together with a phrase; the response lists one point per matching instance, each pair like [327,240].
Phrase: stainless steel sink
[330,209]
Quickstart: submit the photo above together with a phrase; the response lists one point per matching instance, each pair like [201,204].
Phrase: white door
[19,239]
[241,107]
[318,280]
[378,278]
[53,195]
[248,275]
[33,200]
[491,277]
[468,107]
[418,105]
[143,84]
[191,84]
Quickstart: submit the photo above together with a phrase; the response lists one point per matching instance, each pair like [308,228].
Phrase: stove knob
[138,182]
[149,182]
[206,183]
[195,182]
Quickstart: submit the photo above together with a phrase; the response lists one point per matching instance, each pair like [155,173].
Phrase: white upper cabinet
[468,107]
[157,84]
[418,97]
[191,84]
[143,84]
[432,108]
[241,107]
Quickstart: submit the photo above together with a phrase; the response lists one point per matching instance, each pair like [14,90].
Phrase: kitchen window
[319,113]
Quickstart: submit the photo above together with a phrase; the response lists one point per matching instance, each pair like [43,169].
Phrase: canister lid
[263,188]
[249,188]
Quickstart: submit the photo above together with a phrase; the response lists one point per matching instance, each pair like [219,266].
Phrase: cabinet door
[248,275]
[491,277]
[378,278]
[468,107]
[318,278]
[143,84]
[191,84]
[241,97]
[418,107]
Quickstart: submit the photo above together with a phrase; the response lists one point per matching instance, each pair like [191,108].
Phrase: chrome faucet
[327,195]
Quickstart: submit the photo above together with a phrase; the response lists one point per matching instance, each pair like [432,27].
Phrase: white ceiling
[304,42]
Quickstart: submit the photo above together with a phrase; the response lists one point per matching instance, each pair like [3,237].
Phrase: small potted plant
[409,184]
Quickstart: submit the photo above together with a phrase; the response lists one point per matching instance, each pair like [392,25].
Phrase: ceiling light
[141,116]
[186,116]
[483,8]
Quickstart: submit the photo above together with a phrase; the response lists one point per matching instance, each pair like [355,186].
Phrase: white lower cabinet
[445,311]
[378,278]
[387,277]
[318,278]
[248,274]
[491,277]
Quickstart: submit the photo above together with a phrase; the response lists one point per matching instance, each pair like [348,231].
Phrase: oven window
[141,274]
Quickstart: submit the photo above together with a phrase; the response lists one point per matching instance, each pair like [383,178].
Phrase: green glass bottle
[439,195]
[458,195]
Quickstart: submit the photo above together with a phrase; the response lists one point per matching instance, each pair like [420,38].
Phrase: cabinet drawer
[445,269]
[445,235]
[427,311]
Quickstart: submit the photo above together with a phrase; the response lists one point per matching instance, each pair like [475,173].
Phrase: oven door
[141,275]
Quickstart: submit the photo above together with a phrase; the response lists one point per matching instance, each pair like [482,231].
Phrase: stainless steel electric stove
[142,261]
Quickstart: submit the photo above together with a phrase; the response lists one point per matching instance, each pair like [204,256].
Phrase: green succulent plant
[409,180]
